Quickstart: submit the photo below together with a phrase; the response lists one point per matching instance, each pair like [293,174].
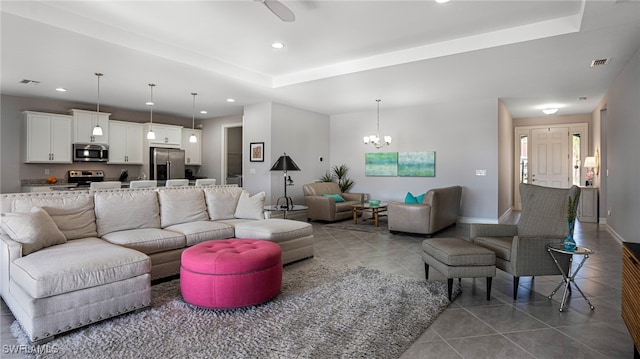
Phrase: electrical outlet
[47,172]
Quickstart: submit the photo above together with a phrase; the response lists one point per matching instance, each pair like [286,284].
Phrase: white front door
[549,160]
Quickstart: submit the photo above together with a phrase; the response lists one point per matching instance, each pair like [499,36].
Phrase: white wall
[463,134]
[622,130]
[212,145]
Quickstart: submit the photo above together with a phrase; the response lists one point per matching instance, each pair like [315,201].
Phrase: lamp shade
[590,162]
[285,163]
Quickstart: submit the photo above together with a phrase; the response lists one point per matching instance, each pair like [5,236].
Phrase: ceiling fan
[279,9]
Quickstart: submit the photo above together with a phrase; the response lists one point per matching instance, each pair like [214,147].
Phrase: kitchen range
[83,178]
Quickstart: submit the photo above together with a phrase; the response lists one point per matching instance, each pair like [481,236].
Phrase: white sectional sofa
[68,259]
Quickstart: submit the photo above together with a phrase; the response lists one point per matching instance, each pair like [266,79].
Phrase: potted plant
[340,174]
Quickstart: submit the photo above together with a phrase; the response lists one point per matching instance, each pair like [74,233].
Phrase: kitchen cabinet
[47,138]
[125,142]
[83,124]
[192,151]
[588,205]
[166,135]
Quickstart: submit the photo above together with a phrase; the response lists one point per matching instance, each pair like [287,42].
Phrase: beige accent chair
[105,185]
[205,182]
[143,184]
[176,182]
[521,249]
[439,209]
[326,208]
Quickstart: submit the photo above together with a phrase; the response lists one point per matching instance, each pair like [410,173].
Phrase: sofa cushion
[75,265]
[181,205]
[35,230]
[276,230]
[250,207]
[222,202]
[73,215]
[123,210]
[147,240]
[200,231]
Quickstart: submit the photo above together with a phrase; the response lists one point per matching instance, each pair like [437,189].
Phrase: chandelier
[375,139]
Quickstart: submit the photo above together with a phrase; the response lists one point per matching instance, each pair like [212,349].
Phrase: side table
[569,278]
[285,209]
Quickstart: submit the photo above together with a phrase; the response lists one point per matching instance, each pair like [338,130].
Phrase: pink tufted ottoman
[233,273]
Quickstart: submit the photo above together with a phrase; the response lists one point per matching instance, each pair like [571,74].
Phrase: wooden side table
[375,211]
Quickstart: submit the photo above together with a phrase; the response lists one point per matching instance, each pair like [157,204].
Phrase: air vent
[29,82]
[600,62]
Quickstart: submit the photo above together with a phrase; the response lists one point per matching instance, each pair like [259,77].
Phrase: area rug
[362,225]
[324,311]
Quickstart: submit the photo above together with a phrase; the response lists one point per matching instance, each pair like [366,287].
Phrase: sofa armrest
[10,250]
[411,218]
[352,196]
[492,230]
[322,208]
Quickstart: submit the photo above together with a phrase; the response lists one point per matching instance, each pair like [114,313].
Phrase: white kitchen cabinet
[588,205]
[125,143]
[83,124]
[166,135]
[47,138]
[192,151]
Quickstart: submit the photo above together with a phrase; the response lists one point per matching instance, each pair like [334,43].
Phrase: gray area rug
[362,225]
[324,311]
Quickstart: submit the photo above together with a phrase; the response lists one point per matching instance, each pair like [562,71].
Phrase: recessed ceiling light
[61,89]
[549,111]
[149,103]
[442,1]
[277,45]
[203,112]
[231,100]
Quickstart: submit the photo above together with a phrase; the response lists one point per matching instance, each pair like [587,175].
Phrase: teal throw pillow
[336,197]
[409,198]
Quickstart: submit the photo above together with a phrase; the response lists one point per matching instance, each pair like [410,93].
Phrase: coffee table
[375,211]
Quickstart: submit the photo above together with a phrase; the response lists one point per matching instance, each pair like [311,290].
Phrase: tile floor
[472,327]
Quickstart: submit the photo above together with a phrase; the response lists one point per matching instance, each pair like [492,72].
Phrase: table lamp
[285,163]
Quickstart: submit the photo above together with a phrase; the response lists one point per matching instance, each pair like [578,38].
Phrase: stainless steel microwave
[90,152]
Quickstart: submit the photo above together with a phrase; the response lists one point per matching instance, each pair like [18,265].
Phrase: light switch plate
[481,172]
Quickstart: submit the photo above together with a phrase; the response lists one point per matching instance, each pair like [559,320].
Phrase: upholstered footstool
[233,273]
[457,258]
[294,237]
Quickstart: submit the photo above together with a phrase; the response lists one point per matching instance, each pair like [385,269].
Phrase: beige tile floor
[472,327]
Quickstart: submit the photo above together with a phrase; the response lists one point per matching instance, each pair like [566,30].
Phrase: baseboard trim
[477,220]
[614,234]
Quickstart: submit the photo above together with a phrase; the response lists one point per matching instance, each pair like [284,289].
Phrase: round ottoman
[234,273]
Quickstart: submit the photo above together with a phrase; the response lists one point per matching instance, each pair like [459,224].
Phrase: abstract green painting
[381,164]
[417,164]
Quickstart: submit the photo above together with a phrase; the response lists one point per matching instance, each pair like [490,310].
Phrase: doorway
[231,161]
[549,156]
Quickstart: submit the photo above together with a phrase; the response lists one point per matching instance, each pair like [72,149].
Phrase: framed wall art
[417,164]
[381,164]
[256,152]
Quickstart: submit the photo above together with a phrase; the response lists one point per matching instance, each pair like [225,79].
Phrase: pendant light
[193,138]
[97,131]
[375,139]
[151,135]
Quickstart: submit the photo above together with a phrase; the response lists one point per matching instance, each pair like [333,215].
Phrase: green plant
[340,174]
[573,206]
[327,177]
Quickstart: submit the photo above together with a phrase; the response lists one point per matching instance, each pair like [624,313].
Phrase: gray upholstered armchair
[521,249]
[439,209]
[326,208]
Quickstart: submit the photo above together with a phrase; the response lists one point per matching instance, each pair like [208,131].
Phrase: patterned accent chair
[521,249]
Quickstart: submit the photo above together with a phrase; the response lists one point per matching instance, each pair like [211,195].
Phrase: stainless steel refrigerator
[166,163]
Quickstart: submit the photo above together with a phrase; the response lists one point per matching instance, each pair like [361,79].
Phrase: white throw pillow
[250,207]
[35,230]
